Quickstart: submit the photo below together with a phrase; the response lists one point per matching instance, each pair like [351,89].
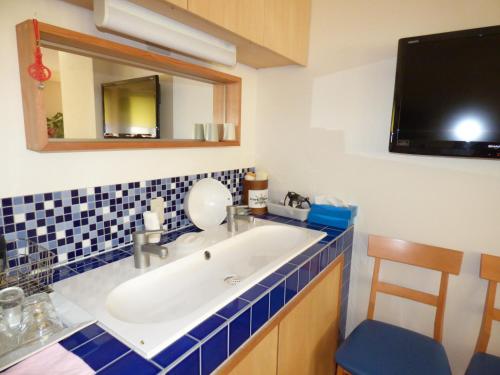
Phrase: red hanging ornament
[37,70]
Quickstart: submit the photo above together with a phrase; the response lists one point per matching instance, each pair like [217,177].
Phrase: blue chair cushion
[377,348]
[484,364]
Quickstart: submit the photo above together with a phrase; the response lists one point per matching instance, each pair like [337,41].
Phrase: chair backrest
[490,270]
[435,258]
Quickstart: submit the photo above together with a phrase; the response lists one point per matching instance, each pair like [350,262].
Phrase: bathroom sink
[204,278]
[149,310]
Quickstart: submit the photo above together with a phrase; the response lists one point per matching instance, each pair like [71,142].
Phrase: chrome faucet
[234,213]
[143,249]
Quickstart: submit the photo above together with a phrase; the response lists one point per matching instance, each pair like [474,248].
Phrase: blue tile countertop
[208,345]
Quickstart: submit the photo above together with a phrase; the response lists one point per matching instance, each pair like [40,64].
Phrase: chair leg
[340,370]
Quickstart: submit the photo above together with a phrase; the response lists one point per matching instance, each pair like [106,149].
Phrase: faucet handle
[244,211]
[146,233]
[237,207]
[238,210]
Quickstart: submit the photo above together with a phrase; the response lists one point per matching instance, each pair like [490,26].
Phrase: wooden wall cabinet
[286,28]
[267,33]
[240,16]
[302,338]
[180,3]
[281,26]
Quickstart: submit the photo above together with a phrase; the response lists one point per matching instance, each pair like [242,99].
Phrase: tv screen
[131,108]
[447,94]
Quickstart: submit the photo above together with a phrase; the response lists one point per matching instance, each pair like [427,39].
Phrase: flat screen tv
[131,108]
[447,94]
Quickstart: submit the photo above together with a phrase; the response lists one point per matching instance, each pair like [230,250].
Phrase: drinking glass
[9,338]
[11,300]
[39,318]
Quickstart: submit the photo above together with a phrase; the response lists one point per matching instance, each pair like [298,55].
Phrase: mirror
[105,95]
[93,98]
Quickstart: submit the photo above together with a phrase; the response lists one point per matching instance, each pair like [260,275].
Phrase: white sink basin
[193,283]
[151,310]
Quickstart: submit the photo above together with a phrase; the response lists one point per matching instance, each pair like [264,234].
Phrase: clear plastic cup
[39,318]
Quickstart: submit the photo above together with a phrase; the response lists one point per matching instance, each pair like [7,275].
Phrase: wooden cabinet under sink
[262,359]
[302,338]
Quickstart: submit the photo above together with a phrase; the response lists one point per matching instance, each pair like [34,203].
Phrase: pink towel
[55,360]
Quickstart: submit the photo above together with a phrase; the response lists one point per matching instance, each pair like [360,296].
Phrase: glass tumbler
[11,300]
[9,338]
[39,318]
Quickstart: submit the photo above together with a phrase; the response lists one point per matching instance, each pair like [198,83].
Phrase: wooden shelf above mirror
[225,95]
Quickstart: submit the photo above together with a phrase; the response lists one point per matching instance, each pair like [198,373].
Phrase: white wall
[331,121]
[189,93]
[77,82]
[27,172]
[52,97]
[52,90]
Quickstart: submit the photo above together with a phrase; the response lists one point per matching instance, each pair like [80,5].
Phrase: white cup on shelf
[229,132]
[199,132]
[211,132]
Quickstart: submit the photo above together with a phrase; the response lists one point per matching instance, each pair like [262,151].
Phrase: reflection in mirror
[131,108]
[92,98]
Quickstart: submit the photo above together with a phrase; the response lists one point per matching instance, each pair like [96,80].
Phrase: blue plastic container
[339,217]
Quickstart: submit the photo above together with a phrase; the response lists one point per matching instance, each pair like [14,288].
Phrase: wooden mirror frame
[227,88]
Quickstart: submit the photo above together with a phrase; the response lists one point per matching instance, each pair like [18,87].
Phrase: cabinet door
[286,28]
[262,359]
[308,334]
[179,3]
[243,17]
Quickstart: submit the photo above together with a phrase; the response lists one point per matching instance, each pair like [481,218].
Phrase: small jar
[256,196]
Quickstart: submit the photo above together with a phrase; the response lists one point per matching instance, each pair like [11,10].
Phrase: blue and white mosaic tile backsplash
[78,223]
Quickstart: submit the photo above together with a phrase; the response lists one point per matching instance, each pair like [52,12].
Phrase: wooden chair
[483,363]
[375,347]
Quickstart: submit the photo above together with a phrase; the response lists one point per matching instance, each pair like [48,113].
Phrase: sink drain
[232,280]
